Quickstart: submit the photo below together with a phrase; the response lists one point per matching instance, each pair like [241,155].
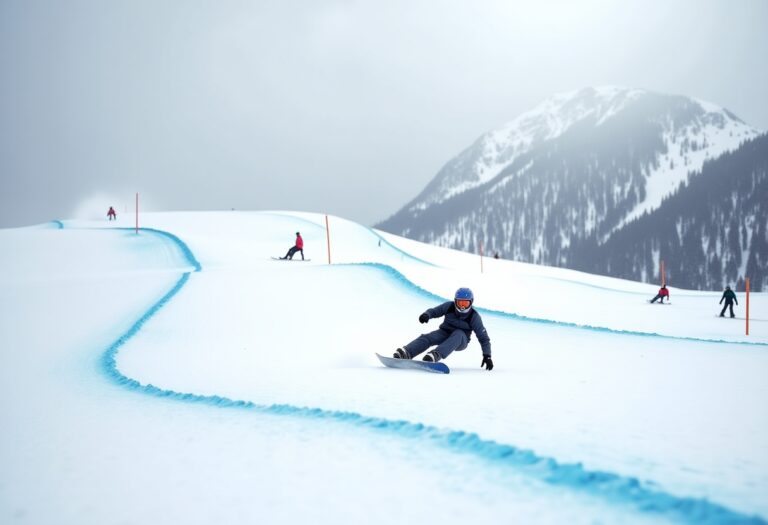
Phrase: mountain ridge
[588,163]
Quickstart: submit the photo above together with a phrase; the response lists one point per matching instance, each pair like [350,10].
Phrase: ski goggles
[463,304]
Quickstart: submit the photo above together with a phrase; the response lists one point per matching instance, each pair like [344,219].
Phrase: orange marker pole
[747,305]
[663,274]
[328,238]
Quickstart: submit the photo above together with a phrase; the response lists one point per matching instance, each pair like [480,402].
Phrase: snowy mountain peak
[711,128]
[559,112]
[497,149]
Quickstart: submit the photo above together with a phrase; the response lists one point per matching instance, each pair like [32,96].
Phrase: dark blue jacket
[468,322]
[729,297]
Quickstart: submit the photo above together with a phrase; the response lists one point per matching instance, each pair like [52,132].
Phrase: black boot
[401,353]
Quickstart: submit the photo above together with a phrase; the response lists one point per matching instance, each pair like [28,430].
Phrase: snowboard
[294,260]
[426,366]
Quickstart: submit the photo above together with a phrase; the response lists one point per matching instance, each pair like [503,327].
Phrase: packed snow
[182,375]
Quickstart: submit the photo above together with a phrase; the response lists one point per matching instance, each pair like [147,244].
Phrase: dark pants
[658,296]
[293,251]
[727,304]
[446,342]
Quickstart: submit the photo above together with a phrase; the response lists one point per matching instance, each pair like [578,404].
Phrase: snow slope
[182,375]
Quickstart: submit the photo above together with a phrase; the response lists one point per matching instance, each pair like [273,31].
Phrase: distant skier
[297,247]
[663,292]
[461,319]
[729,297]
[111,214]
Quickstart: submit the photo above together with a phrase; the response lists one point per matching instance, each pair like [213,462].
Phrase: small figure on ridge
[663,292]
[729,297]
[297,247]
[112,214]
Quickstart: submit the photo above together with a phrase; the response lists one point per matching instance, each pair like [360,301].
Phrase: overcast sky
[344,107]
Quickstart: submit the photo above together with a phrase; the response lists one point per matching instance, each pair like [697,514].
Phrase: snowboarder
[729,297]
[663,292]
[111,214]
[461,319]
[297,247]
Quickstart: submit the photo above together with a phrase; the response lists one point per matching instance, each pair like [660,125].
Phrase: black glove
[423,318]
[487,362]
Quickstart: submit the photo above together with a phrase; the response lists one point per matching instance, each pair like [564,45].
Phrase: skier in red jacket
[298,247]
[663,292]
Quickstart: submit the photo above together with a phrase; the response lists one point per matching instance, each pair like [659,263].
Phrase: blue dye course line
[411,286]
[623,490]
[181,245]
[401,251]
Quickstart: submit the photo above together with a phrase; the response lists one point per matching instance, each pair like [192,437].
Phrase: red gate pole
[328,238]
[137,213]
[747,305]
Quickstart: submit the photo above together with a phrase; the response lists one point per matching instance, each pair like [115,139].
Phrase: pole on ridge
[747,305]
[328,238]
[481,256]
[663,274]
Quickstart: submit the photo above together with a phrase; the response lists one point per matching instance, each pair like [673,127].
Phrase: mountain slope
[711,232]
[580,165]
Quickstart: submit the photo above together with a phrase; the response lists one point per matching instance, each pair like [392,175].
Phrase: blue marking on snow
[677,293]
[595,286]
[181,245]
[403,280]
[59,224]
[615,488]
[400,251]
[188,255]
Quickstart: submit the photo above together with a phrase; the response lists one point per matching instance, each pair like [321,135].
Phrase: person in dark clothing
[454,333]
[663,292]
[729,298]
[297,247]
[111,214]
